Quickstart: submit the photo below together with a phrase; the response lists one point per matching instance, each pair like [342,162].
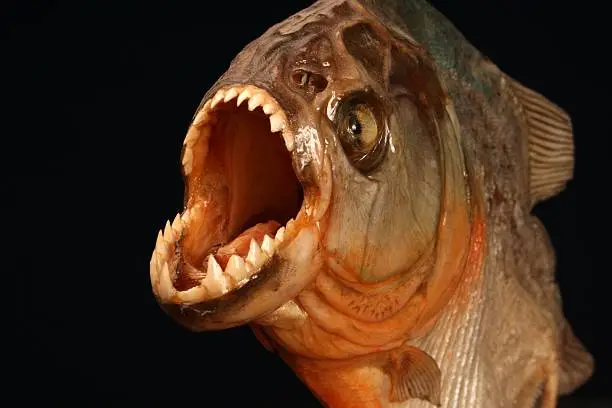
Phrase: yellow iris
[362,127]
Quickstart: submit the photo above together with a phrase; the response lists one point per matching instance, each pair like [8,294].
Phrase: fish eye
[360,130]
[361,126]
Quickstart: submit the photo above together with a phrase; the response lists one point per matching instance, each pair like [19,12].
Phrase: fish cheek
[404,213]
[352,198]
[419,160]
[407,209]
[381,224]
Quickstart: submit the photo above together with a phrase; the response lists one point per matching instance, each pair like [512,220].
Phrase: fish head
[318,149]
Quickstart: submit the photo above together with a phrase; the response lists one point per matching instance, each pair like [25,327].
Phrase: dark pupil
[354,125]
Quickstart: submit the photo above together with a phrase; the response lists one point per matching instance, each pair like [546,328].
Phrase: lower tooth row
[217,282]
[237,269]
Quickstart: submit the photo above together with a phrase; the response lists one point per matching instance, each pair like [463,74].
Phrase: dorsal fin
[550,140]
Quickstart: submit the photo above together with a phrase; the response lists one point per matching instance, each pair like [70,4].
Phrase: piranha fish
[359,185]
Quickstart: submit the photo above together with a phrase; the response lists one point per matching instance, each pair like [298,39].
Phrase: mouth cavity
[243,199]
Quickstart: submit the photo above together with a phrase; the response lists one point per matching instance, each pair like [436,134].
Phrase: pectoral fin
[413,374]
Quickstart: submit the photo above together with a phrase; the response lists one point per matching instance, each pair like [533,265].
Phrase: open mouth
[244,202]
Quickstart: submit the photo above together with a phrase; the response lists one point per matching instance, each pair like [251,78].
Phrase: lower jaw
[293,267]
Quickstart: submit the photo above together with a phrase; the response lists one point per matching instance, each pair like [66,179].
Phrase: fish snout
[246,242]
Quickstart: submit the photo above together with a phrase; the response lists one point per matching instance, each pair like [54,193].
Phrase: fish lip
[217,312]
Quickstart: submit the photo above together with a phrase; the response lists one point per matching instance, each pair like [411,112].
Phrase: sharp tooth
[203,116]
[177,226]
[255,101]
[269,108]
[231,94]
[193,295]
[288,141]
[186,217]
[215,281]
[206,107]
[192,136]
[187,160]
[268,245]
[290,225]
[236,268]
[160,246]
[166,288]
[246,94]
[277,122]
[154,271]
[168,233]
[280,235]
[160,261]
[255,257]
[218,98]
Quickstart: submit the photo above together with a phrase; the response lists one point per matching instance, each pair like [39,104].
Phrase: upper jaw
[254,97]
[243,289]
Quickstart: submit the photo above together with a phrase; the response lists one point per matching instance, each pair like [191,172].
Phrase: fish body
[358,190]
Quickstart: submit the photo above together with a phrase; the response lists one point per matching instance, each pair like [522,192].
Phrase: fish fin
[550,141]
[577,364]
[414,374]
[262,337]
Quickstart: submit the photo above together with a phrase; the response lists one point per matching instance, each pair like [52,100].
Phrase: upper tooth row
[201,126]
[217,281]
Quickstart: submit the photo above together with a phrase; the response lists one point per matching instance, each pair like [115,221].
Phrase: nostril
[300,78]
[317,82]
[309,81]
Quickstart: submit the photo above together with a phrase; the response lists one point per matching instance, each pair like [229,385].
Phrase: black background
[98,96]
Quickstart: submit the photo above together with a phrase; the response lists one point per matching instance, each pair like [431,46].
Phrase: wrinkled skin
[428,242]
